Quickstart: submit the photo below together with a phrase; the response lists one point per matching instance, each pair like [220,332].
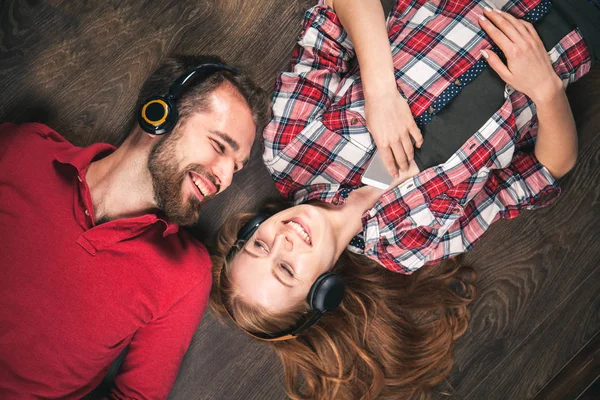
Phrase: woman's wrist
[379,85]
[547,96]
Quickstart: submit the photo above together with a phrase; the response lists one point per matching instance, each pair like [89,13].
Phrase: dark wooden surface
[77,66]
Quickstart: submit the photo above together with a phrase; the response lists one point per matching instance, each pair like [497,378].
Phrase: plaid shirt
[317,145]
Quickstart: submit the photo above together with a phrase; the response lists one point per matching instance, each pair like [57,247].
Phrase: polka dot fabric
[453,89]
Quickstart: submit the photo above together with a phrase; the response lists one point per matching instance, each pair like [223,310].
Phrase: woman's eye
[260,246]
[287,270]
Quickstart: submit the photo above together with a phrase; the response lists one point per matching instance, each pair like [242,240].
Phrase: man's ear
[138,133]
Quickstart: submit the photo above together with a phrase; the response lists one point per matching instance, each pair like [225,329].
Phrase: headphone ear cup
[326,293]
[157,115]
[251,226]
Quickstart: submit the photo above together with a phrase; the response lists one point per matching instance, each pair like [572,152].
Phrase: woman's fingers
[401,155]
[497,35]
[416,135]
[512,27]
[532,32]
[388,159]
[497,65]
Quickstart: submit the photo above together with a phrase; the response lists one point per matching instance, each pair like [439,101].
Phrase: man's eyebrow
[230,141]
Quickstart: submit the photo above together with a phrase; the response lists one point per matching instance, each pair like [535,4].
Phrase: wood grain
[78,65]
[576,377]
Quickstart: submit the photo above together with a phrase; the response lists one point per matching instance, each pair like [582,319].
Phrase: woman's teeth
[201,187]
[298,228]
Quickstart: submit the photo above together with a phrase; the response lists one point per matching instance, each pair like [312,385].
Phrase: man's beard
[167,181]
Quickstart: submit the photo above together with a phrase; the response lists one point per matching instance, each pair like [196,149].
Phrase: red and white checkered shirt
[317,145]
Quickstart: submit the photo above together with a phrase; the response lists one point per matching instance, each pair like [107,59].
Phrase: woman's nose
[284,241]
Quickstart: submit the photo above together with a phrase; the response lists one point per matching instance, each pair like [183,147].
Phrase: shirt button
[87,213]
[431,110]
[354,121]
[457,82]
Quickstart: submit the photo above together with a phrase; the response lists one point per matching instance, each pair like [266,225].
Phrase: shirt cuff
[323,29]
[537,179]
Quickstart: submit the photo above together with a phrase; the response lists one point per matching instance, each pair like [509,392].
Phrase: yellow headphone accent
[164,117]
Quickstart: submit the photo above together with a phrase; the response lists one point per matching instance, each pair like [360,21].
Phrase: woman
[392,335]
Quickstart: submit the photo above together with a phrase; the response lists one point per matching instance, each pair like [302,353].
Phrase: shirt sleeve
[406,232]
[320,59]
[524,185]
[156,350]
[6,134]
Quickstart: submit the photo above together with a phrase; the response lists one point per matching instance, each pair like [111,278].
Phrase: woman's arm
[388,115]
[556,145]
[529,71]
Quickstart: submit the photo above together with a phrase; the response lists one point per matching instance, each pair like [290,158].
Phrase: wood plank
[528,265]
[576,377]
[535,360]
[593,392]
[78,66]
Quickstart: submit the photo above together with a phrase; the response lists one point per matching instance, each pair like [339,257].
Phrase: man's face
[198,158]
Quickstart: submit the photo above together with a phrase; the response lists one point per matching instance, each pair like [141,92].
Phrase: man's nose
[223,171]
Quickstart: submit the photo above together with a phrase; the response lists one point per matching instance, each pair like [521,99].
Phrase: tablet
[376,173]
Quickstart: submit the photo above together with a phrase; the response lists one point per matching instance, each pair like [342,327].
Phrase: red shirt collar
[82,157]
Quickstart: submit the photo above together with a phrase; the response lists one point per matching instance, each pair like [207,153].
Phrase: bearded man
[92,257]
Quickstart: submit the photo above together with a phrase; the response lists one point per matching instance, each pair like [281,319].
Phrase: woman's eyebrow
[272,269]
[279,279]
[245,248]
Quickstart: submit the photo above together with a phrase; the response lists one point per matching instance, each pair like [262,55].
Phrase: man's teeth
[298,228]
[201,186]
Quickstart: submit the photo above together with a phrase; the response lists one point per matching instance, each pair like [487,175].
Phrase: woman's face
[288,252]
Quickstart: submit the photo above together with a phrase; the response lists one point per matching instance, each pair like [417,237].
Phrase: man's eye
[219,147]
[287,270]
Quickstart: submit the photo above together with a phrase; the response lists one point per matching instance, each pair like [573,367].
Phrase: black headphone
[158,114]
[325,294]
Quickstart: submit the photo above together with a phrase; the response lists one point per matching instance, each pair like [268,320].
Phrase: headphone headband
[201,72]
[158,114]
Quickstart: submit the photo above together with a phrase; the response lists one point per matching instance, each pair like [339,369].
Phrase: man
[91,253]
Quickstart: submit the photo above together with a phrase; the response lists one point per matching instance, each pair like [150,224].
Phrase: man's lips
[195,189]
[202,185]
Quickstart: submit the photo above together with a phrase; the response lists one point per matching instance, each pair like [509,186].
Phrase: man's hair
[194,96]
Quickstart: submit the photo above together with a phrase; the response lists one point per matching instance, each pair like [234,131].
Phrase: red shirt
[73,294]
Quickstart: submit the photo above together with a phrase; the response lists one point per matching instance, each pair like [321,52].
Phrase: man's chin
[183,220]
[181,217]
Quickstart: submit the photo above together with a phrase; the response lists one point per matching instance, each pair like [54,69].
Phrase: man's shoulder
[191,256]
[196,249]
[30,134]
[32,130]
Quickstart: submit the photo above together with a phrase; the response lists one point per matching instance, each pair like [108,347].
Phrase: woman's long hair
[392,336]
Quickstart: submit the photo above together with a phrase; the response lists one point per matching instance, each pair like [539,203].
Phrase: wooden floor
[78,65]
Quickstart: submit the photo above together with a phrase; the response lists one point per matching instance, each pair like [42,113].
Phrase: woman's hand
[393,128]
[528,68]
[529,71]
